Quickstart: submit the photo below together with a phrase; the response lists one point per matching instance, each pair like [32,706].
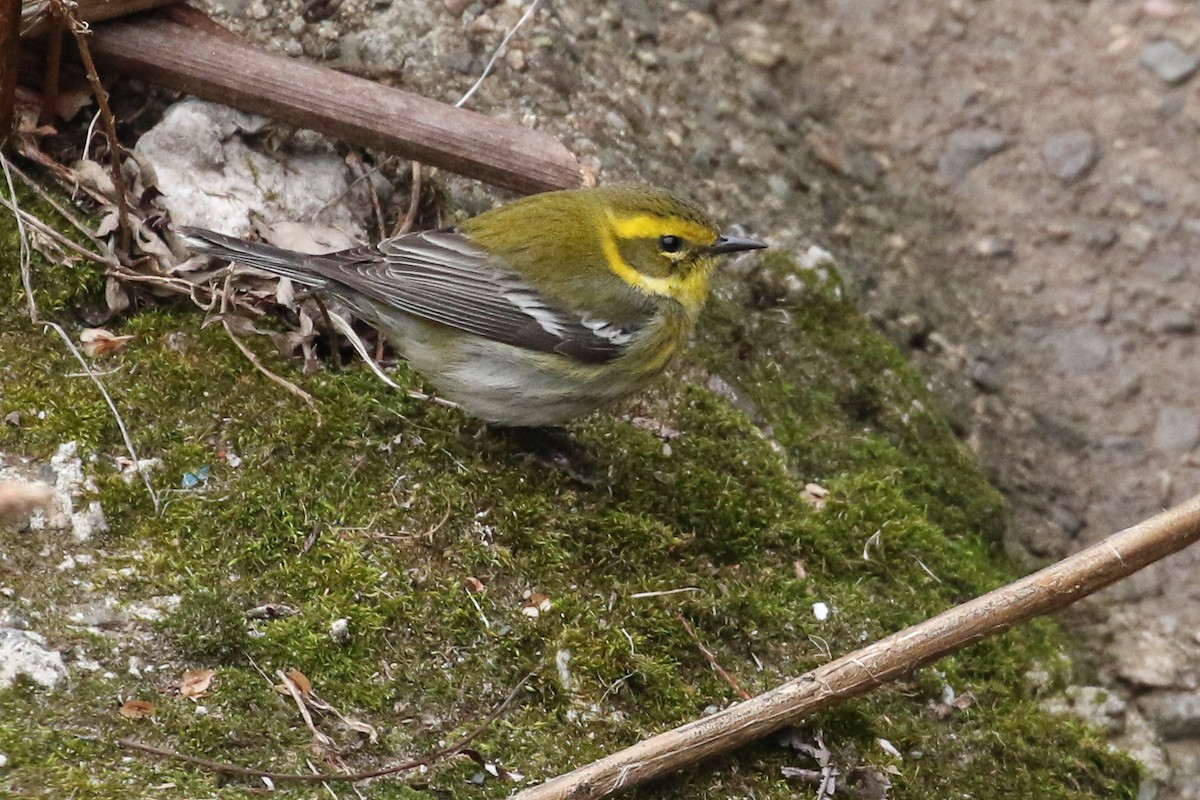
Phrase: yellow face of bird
[663,255]
[586,249]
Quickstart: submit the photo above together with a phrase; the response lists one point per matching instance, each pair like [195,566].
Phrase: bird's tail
[276,260]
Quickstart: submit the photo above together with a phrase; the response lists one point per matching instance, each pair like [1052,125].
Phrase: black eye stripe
[670,244]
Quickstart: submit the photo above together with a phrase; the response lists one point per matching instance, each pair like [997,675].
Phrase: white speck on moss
[562,662]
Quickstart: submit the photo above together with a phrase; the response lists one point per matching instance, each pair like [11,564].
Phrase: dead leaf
[659,429]
[303,684]
[70,100]
[94,176]
[116,296]
[815,495]
[812,776]
[350,722]
[108,223]
[535,605]
[136,709]
[270,611]
[491,767]
[195,683]
[889,748]
[868,782]
[474,585]
[100,342]
[305,238]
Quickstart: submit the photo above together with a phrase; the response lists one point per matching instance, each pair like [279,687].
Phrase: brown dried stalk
[298,777]
[79,29]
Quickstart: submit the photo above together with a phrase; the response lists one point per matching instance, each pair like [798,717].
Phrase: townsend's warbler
[534,312]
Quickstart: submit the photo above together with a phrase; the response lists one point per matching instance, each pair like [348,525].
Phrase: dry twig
[712,658]
[27,284]
[439,755]
[80,30]
[292,388]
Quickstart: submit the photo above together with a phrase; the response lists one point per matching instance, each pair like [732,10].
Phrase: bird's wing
[441,277]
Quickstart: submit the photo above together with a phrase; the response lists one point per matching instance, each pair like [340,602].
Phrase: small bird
[533,313]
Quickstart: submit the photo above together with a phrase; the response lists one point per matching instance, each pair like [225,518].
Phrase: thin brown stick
[300,777]
[414,202]
[159,51]
[50,86]
[50,200]
[80,31]
[334,349]
[275,378]
[10,54]
[37,16]
[51,234]
[291,388]
[712,659]
[1055,587]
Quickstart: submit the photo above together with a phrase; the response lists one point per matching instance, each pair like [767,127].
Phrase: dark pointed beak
[734,244]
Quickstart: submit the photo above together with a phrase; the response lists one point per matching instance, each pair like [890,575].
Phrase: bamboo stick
[163,52]
[1054,587]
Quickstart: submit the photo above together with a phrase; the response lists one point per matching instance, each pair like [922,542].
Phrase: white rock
[25,653]
[211,177]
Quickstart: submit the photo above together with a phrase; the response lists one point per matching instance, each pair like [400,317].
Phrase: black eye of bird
[670,244]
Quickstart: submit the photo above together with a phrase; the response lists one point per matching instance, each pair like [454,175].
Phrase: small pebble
[1096,235]
[515,60]
[1177,429]
[1174,321]
[1082,351]
[966,149]
[1070,156]
[995,247]
[1170,62]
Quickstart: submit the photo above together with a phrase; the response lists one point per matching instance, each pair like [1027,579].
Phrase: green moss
[207,626]
[383,512]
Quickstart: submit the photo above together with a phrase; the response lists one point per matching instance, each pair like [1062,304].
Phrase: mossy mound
[392,513]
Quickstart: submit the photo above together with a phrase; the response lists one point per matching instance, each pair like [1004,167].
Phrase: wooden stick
[1055,587]
[36,17]
[10,51]
[160,51]
[79,30]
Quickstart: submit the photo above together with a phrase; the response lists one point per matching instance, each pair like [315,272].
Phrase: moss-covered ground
[391,512]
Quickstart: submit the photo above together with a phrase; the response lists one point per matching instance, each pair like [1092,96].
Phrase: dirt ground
[1064,137]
